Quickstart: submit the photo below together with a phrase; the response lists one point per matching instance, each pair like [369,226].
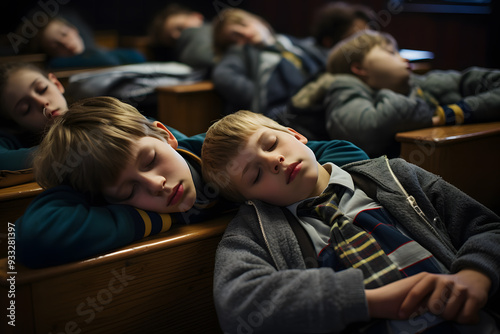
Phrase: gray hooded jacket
[261,284]
[343,107]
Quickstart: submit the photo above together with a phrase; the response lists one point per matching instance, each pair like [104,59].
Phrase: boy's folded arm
[359,115]
[61,226]
[12,156]
[230,79]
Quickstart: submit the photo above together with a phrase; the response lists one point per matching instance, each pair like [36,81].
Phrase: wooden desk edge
[450,134]
[29,189]
[177,235]
[201,86]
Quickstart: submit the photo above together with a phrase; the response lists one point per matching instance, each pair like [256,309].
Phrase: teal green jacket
[14,154]
[63,225]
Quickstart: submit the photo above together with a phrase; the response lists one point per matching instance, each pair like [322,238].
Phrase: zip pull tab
[415,206]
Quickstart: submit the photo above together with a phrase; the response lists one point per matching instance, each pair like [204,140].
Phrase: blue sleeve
[13,156]
[340,152]
[193,143]
[60,226]
[232,79]
[177,134]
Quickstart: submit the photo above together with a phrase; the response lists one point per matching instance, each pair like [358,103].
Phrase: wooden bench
[161,284]
[13,202]
[467,156]
[189,108]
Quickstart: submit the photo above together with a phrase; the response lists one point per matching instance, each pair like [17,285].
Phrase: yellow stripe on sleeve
[459,114]
[166,221]
[147,222]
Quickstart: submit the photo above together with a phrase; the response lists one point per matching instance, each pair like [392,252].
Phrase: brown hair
[354,49]
[156,29]
[333,21]
[88,145]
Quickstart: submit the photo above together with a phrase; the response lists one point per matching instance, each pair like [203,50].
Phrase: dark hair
[335,19]
[155,30]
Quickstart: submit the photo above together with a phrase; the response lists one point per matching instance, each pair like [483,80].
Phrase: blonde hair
[354,49]
[223,141]
[221,42]
[87,146]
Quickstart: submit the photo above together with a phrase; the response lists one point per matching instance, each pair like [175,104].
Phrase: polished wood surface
[161,284]
[447,135]
[467,156]
[24,190]
[189,108]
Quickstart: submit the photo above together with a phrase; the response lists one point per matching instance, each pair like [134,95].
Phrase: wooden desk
[467,156]
[13,201]
[189,108]
[161,284]
[39,59]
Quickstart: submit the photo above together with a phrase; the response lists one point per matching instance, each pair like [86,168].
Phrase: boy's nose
[275,163]
[156,184]
[41,102]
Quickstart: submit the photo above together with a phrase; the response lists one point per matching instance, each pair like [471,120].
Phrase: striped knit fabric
[354,247]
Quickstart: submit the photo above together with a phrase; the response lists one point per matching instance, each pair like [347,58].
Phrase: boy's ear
[358,69]
[56,82]
[298,136]
[171,140]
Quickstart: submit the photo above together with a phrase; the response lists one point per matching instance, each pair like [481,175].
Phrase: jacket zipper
[264,234]
[413,203]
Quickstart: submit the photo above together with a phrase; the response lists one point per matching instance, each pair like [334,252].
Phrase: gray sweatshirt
[261,284]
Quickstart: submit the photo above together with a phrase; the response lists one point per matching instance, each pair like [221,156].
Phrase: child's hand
[436,121]
[457,297]
[385,302]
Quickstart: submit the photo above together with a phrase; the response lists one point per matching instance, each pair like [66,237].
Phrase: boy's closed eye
[129,196]
[150,161]
[41,90]
[274,144]
[269,146]
[257,177]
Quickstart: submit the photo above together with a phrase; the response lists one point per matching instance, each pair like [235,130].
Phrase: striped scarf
[353,246]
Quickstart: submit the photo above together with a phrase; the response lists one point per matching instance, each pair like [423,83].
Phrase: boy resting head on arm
[100,155]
